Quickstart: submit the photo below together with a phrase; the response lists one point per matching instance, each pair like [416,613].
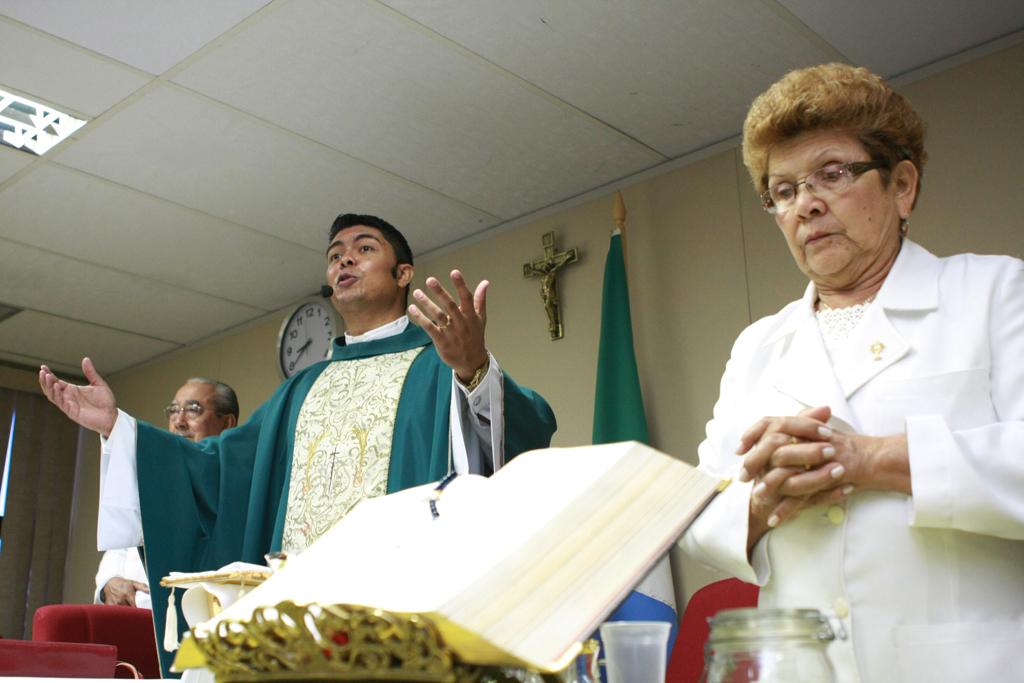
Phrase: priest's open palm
[455,326]
[91,405]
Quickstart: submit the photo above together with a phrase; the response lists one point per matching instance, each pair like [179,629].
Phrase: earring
[904,227]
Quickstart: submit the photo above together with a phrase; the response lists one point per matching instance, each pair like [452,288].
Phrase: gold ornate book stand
[289,642]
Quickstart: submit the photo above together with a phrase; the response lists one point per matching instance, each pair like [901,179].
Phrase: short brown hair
[836,97]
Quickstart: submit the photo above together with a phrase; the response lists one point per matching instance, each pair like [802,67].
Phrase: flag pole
[619,219]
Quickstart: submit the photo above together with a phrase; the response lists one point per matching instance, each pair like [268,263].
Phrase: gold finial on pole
[619,211]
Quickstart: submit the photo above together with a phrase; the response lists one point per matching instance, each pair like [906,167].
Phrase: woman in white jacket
[875,427]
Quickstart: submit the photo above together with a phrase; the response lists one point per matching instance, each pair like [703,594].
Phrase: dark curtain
[36,522]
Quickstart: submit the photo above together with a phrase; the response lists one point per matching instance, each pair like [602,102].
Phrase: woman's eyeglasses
[829,180]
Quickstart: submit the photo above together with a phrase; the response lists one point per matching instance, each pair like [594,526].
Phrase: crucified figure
[547,268]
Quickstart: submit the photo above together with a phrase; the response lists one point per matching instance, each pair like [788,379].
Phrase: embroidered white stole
[342,443]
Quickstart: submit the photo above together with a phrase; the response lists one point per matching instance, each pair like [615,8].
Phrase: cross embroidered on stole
[342,443]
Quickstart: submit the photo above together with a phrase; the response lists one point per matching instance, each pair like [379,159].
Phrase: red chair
[687,661]
[128,628]
[56,660]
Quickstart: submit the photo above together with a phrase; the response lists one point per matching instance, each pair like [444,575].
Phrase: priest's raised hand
[91,405]
[455,326]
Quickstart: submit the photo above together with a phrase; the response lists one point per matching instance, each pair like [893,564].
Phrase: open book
[516,569]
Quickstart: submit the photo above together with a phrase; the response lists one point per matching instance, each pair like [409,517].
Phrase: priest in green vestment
[398,405]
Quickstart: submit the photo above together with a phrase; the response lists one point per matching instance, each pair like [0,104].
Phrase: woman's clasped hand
[797,462]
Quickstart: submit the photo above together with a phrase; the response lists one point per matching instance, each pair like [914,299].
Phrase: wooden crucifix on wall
[546,268]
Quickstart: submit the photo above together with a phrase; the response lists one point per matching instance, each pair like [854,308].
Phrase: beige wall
[245,360]
[704,261]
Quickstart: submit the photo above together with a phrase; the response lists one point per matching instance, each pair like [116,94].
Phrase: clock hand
[302,349]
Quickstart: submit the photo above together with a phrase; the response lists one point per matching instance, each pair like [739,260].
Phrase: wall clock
[305,337]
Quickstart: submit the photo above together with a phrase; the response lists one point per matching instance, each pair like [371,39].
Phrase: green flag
[618,402]
[619,416]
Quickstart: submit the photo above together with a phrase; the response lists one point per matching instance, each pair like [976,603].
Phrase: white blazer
[929,587]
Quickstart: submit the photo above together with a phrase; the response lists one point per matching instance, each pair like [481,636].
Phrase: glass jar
[769,645]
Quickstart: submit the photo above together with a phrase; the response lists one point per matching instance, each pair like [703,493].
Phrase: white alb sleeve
[119,524]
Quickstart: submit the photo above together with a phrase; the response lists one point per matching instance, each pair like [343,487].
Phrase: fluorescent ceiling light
[33,127]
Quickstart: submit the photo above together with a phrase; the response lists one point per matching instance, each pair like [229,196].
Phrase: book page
[390,553]
[380,554]
[557,586]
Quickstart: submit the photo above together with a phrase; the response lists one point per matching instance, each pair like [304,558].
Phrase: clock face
[305,338]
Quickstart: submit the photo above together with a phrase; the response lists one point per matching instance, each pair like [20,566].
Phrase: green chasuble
[224,499]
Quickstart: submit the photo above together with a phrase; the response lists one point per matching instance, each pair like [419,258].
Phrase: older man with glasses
[202,407]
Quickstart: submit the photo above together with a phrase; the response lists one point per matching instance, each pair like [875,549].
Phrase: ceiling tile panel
[676,75]
[58,340]
[152,36]
[892,38]
[12,161]
[32,362]
[80,216]
[36,279]
[62,75]
[366,81]
[177,144]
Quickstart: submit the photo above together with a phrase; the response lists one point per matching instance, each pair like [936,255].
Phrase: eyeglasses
[191,409]
[829,180]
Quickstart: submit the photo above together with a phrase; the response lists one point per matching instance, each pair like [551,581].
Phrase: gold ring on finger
[793,440]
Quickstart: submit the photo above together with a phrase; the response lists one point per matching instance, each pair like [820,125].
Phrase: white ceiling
[225,136]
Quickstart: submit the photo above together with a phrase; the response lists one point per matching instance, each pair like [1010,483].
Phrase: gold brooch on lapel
[877,349]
